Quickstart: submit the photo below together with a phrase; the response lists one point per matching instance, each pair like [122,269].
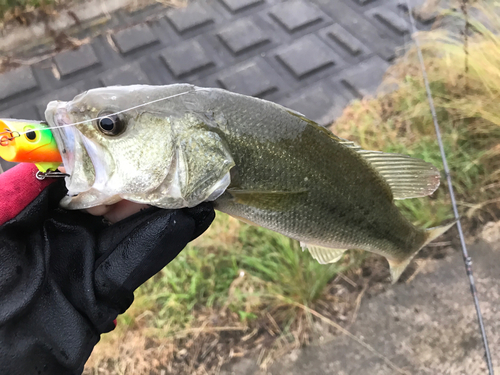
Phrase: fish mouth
[75,157]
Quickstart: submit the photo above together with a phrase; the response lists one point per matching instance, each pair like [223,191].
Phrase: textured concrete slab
[253,78]
[75,61]
[190,18]
[134,38]
[364,78]
[236,6]
[297,56]
[242,36]
[345,40]
[187,58]
[130,74]
[296,15]
[17,82]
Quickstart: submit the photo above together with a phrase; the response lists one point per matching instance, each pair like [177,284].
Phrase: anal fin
[324,255]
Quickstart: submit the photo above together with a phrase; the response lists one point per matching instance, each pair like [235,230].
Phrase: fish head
[145,144]
[106,140]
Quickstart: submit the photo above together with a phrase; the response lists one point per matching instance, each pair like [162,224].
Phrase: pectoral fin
[268,200]
[322,254]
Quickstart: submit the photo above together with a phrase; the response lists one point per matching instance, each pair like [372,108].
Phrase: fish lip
[57,116]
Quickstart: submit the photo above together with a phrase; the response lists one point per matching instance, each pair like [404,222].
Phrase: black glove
[66,275]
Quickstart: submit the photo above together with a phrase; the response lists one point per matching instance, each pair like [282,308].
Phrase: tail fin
[431,234]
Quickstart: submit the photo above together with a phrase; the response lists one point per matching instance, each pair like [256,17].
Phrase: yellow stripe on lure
[24,141]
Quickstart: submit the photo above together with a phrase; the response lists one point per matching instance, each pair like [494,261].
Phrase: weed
[467,110]
[240,288]
[234,275]
[243,270]
[13,8]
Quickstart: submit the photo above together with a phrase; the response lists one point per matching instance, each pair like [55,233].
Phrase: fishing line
[122,111]
[466,257]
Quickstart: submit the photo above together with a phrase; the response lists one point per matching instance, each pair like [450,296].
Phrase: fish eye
[110,124]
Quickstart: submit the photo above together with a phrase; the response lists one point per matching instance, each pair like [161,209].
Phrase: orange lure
[23,141]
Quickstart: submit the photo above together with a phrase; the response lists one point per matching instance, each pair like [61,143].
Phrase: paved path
[427,327]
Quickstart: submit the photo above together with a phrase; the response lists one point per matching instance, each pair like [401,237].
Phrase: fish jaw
[75,157]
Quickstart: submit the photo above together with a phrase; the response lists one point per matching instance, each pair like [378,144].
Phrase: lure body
[23,141]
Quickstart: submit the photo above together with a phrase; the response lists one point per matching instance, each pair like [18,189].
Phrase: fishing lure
[23,141]
[28,141]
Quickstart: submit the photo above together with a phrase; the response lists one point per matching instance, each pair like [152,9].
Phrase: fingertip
[99,210]
[122,210]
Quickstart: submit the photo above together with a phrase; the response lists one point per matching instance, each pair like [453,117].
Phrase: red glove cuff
[18,188]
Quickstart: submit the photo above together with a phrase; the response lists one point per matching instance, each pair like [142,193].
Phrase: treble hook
[6,136]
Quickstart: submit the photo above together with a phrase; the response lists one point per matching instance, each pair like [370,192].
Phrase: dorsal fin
[407,177]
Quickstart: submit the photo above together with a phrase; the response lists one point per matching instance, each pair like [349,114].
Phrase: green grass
[16,6]
[206,275]
[238,273]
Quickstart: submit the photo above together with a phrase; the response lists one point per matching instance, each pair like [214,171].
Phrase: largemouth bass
[179,145]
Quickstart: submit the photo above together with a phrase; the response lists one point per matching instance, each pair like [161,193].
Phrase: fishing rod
[466,256]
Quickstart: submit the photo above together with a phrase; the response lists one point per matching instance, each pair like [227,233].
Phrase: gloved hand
[66,275]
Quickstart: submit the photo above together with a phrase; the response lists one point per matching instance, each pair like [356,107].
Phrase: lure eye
[110,124]
[31,135]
